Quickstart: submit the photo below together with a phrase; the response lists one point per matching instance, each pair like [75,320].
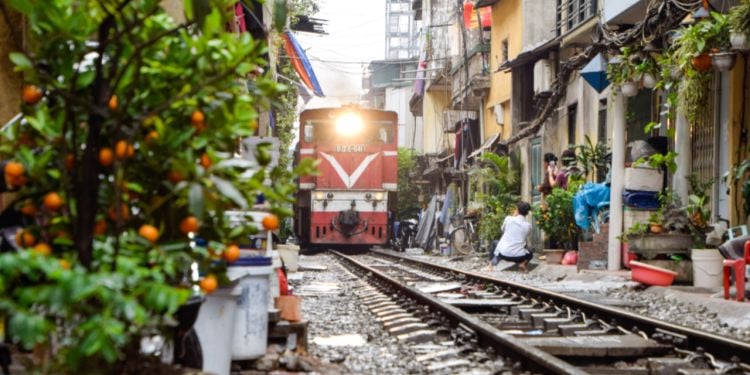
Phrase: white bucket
[707,268]
[214,327]
[251,320]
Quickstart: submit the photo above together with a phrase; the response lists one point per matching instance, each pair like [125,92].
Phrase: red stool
[739,273]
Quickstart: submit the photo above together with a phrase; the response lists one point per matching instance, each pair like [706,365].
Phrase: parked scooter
[405,236]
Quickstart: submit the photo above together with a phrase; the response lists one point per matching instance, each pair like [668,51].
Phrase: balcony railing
[571,13]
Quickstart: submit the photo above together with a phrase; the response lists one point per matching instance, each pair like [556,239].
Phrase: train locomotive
[348,204]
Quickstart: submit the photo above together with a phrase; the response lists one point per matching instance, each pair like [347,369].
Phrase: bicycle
[464,238]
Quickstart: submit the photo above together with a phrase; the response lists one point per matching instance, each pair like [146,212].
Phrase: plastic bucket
[707,268]
[215,328]
[251,320]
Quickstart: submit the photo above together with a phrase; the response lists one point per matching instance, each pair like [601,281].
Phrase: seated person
[512,245]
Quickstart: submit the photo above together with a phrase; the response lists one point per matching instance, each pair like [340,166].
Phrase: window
[393,23]
[572,114]
[504,50]
[403,24]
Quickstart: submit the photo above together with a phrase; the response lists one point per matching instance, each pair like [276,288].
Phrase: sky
[355,36]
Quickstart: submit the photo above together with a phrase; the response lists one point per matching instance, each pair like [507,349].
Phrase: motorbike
[404,235]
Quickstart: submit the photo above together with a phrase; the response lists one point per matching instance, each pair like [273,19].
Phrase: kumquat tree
[131,123]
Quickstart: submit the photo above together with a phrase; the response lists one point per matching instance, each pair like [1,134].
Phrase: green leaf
[20,60]
[84,79]
[195,199]
[228,190]
[23,6]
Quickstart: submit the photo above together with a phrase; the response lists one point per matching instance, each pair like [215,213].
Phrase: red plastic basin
[651,275]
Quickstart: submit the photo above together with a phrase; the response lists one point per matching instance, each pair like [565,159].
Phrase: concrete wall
[435,102]
[506,25]
[409,127]
[10,81]
[538,23]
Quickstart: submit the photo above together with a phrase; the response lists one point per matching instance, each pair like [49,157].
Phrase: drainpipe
[682,146]
[618,178]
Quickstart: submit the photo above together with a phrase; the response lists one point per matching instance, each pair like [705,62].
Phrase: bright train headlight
[349,123]
[378,196]
[319,195]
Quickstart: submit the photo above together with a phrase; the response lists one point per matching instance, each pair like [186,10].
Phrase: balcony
[467,94]
[623,12]
[573,13]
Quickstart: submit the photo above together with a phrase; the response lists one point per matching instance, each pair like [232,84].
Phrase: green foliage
[625,69]
[698,209]
[739,17]
[500,176]
[660,160]
[738,175]
[556,218]
[591,159]
[408,190]
[120,285]
[636,230]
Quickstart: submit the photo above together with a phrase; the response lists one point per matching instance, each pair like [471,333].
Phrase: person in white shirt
[512,245]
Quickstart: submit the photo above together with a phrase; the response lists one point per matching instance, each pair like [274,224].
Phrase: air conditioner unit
[543,76]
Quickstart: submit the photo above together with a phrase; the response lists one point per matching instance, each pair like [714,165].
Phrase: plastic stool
[738,265]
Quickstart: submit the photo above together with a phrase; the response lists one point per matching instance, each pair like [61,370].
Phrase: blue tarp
[587,201]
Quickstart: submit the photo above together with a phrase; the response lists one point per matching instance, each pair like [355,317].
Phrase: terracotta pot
[656,228]
[701,62]
[738,41]
[723,61]
[554,256]
[649,81]
[629,88]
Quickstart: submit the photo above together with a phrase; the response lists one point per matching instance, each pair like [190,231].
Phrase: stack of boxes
[640,197]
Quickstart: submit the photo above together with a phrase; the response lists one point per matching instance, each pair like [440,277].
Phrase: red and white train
[346,206]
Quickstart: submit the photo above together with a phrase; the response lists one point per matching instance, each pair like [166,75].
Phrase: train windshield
[370,133]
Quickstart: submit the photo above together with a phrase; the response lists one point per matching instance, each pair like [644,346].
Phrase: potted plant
[647,69]
[722,57]
[557,220]
[739,26]
[621,71]
[655,222]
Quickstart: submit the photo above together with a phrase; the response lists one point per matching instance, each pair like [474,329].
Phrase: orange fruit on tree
[189,224]
[152,136]
[31,94]
[149,232]
[175,176]
[197,117]
[100,227]
[112,104]
[231,253]
[14,169]
[64,264]
[124,212]
[271,222]
[28,208]
[52,201]
[105,156]
[206,161]
[25,238]
[42,249]
[70,161]
[123,149]
[208,284]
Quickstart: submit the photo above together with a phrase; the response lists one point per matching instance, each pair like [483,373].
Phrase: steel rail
[532,358]
[720,346]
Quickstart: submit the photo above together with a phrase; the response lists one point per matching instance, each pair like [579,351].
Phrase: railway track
[531,329]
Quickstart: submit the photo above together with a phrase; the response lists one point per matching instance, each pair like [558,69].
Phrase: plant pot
[554,256]
[738,41]
[651,275]
[649,81]
[629,89]
[656,228]
[651,245]
[723,61]
[701,62]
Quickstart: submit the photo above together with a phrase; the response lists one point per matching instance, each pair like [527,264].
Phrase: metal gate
[535,158]
[703,132]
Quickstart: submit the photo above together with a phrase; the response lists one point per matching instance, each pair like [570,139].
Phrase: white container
[215,328]
[251,320]
[631,216]
[643,179]
[707,268]
[290,254]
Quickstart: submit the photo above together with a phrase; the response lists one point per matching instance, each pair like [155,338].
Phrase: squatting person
[512,245]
